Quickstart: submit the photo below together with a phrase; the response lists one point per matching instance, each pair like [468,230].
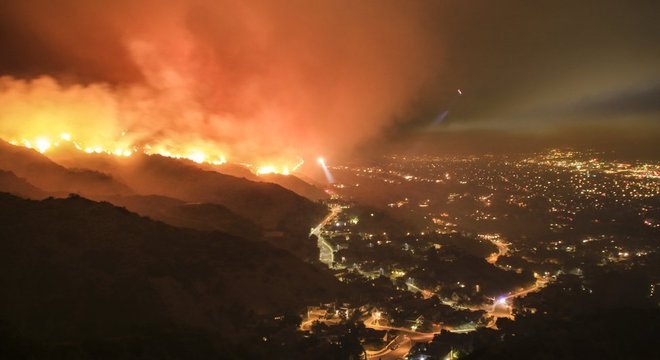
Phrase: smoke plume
[255,81]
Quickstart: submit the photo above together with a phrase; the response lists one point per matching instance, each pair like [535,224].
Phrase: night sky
[305,73]
[552,63]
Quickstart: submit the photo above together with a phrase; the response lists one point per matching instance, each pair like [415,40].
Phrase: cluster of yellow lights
[44,143]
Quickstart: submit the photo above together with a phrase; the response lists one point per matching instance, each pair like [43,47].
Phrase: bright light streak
[65,136]
[501,301]
[328,175]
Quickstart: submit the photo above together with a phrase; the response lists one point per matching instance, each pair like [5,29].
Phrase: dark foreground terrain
[88,280]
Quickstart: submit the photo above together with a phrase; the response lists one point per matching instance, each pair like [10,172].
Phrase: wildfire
[44,144]
[154,119]
[268,169]
[282,170]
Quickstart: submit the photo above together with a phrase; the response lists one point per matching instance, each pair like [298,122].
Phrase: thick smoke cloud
[258,80]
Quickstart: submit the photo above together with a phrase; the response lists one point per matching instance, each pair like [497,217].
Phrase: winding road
[326,253]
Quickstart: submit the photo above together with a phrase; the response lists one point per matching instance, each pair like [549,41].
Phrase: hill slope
[74,269]
[198,216]
[49,176]
[270,206]
[291,182]
[11,183]
[296,185]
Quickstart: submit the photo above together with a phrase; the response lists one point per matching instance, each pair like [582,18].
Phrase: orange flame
[44,144]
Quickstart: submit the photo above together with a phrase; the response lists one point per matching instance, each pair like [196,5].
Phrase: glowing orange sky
[256,82]
[270,81]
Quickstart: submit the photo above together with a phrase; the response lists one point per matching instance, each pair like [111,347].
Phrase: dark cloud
[518,60]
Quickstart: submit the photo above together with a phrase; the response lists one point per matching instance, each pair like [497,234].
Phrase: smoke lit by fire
[260,82]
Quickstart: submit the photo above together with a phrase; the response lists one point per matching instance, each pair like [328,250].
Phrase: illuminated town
[452,252]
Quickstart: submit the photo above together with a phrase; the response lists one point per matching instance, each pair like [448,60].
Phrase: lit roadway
[502,249]
[399,347]
[499,308]
[541,282]
[428,336]
[326,254]
[395,350]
